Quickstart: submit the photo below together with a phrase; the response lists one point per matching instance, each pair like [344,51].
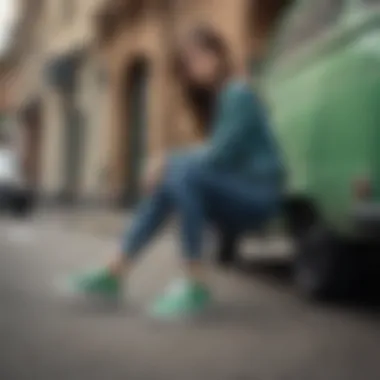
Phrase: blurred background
[88,86]
[87,93]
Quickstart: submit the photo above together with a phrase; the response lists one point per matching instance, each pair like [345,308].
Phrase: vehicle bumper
[366,218]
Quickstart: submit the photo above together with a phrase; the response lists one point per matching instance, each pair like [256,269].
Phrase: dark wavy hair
[201,99]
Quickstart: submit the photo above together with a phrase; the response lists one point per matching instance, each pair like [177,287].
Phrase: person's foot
[99,282]
[184,298]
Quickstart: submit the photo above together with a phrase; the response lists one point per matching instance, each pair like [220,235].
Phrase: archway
[135,108]
[63,75]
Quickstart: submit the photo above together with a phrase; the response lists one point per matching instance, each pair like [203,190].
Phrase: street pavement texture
[257,330]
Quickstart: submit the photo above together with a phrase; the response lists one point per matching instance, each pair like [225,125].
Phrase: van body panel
[326,115]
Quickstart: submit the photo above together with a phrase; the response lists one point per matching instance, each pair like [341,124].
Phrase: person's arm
[195,151]
[233,128]
[234,123]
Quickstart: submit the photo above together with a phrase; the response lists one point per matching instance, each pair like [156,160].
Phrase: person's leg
[241,208]
[188,199]
[150,216]
[198,195]
[195,193]
[190,294]
[179,190]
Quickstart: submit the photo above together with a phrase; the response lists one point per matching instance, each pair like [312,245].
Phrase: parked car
[14,195]
[322,84]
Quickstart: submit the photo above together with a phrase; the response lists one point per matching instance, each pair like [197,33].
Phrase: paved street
[258,328]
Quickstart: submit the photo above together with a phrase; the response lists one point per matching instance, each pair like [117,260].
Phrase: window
[307,21]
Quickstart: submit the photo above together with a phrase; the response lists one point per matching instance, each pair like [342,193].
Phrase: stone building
[15,64]
[74,128]
[7,96]
[58,97]
[95,87]
[5,89]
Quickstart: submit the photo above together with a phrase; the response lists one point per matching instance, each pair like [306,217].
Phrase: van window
[307,21]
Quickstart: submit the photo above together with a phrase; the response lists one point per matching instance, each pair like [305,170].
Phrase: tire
[323,267]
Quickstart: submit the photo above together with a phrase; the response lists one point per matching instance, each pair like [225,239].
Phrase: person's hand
[153,173]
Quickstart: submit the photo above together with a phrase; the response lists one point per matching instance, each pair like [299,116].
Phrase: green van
[322,83]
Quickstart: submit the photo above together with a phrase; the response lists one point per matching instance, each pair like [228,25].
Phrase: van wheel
[320,271]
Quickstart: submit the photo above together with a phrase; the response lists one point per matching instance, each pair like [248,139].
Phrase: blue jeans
[200,195]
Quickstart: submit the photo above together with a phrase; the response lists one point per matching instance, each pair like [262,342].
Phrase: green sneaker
[99,282]
[184,298]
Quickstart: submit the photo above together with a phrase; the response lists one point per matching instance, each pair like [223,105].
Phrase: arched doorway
[62,74]
[135,108]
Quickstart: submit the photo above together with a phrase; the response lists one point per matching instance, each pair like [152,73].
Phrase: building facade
[5,88]
[21,80]
[58,97]
[5,92]
[73,103]
[96,90]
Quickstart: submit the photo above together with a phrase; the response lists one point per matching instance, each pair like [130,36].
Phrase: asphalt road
[258,329]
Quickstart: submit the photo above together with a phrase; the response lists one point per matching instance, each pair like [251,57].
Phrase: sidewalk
[100,222]
[257,328]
